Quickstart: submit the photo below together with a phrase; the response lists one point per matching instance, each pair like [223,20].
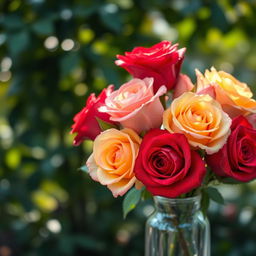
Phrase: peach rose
[234,96]
[135,105]
[201,119]
[113,158]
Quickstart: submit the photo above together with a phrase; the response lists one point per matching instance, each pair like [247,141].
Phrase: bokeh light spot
[53,225]
[81,89]
[51,43]
[67,44]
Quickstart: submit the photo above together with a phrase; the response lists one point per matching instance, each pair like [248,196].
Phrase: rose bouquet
[159,134]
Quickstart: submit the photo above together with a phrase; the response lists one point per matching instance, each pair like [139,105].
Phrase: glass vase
[177,228]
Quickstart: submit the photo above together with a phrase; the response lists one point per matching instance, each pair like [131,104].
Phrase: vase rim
[178,200]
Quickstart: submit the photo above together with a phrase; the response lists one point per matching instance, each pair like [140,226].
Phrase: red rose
[86,125]
[161,61]
[237,158]
[167,166]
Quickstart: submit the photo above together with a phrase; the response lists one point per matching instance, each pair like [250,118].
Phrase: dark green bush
[53,55]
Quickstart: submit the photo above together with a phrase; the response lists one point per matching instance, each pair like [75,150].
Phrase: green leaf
[143,133]
[201,152]
[130,201]
[231,181]
[145,195]
[163,101]
[205,202]
[215,195]
[84,169]
[105,125]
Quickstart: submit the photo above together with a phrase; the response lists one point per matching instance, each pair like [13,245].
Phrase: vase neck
[180,208]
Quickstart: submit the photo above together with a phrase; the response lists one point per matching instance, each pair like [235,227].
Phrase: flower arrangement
[160,134]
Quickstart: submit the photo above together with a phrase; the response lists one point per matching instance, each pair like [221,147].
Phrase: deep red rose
[167,166]
[86,125]
[161,61]
[237,158]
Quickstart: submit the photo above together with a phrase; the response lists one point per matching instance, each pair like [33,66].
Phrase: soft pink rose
[85,123]
[135,105]
[162,61]
[184,84]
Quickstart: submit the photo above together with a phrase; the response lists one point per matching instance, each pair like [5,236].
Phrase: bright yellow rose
[201,119]
[234,96]
[113,158]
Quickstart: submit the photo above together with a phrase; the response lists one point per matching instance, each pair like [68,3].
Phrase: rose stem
[183,243]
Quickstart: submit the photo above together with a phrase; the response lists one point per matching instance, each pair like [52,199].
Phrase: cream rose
[234,96]
[201,119]
[113,158]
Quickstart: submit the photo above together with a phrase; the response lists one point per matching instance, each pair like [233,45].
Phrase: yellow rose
[113,158]
[234,96]
[201,119]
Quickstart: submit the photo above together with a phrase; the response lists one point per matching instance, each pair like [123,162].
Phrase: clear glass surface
[177,228]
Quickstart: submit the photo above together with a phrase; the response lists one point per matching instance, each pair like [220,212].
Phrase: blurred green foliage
[53,54]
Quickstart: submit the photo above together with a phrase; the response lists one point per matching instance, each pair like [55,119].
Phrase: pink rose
[135,105]
[184,84]
[86,125]
[161,61]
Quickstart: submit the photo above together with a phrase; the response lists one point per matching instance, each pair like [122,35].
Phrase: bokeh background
[53,54]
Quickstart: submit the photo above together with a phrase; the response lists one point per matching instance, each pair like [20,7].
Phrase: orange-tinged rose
[113,158]
[201,119]
[234,96]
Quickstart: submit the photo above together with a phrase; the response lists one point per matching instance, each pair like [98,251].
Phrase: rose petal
[121,187]
[184,84]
